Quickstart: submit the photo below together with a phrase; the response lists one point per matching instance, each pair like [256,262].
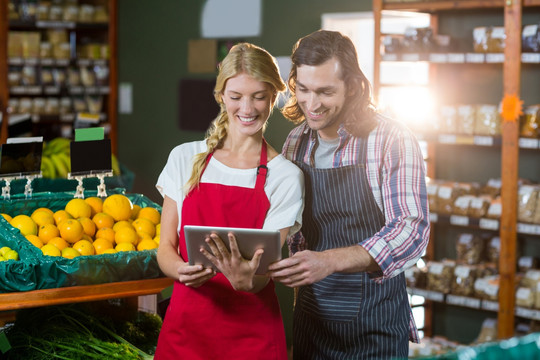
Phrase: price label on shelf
[526,143]
[483,140]
[447,139]
[438,58]
[389,57]
[463,301]
[475,58]
[528,229]
[459,220]
[410,57]
[527,313]
[456,58]
[530,58]
[433,217]
[488,224]
[430,295]
[497,58]
[490,305]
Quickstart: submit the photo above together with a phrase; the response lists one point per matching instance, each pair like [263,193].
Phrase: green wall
[152,40]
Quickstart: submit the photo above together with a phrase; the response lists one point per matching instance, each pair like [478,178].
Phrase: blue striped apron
[346,316]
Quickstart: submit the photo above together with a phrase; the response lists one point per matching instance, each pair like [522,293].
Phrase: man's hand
[303,268]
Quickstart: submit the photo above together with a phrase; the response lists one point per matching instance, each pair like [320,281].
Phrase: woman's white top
[284,183]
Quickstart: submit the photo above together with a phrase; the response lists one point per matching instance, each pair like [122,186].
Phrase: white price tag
[476,58]
[526,143]
[488,224]
[438,58]
[483,140]
[410,57]
[459,220]
[530,58]
[456,58]
[389,57]
[495,58]
[490,305]
[447,139]
[433,217]
[528,229]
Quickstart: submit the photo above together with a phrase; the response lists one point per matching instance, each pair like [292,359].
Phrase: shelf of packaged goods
[85,293]
[482,223]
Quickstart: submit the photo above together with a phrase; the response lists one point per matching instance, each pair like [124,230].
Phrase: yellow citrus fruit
[118,206]
[78,208]
[50,250]
[61,215]
[100,245]
[103,220]
[96,203]
[147,244]
[126,234]
[105,233]
[70,253]
[135,211]
[125,247]
[47,232]
[84,247]
[86,237]
[25,224]
[88,225]
[144,225]
[60,243]
[158,229]
[151,214]
[156,239]
[42,216]
[121,224]
[35,241]
[110,251]
[7,217]
[71,230]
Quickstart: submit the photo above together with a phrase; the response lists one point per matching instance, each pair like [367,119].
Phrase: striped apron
[346,316]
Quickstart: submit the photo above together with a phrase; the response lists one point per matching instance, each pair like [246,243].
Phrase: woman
[234,179]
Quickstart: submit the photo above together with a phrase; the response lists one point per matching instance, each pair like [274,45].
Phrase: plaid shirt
[396,174]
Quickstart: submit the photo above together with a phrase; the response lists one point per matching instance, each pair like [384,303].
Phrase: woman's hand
[239,271]
[194,275]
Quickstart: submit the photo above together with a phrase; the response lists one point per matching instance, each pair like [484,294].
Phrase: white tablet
[249,240]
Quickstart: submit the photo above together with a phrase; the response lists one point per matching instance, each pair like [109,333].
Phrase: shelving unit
[51,125]
[509,141]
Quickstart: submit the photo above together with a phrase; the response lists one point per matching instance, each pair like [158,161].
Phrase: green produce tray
[125,181]
[34,271]
[517,348]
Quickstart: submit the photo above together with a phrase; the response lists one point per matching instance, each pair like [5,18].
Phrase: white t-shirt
[284,183]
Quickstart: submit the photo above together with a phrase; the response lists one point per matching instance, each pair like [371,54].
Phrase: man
[366,210]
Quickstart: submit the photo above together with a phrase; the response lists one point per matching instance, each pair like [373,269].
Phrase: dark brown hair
[319,47]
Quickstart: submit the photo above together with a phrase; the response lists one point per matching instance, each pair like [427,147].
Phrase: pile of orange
[91,226]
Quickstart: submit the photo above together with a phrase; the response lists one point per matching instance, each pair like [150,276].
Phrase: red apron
[214,321]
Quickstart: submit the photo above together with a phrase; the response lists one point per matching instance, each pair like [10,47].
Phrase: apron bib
[346,316]
[214,321]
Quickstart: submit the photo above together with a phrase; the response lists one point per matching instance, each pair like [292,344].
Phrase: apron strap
[262,169]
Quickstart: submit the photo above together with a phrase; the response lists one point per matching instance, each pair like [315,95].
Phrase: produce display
[83,332]
[56,162]
[91,226]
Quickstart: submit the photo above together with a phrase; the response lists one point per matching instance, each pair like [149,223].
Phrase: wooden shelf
[74,294]
[434,6]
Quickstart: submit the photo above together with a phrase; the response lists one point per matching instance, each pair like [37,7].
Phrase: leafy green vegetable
[68,332]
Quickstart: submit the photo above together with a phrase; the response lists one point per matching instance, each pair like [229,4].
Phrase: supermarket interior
[96,94]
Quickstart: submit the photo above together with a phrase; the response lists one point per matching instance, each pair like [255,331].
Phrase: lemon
[7,217]
[11,255]
[25,224]
[50,250]
[96,203]
[70,253]
[71,230]
[42,216]
[34,240]
[100,245]
[125,247]
[84,247]
[147,244]
[118,206]
[126,234]
[151,214]
[110,251]
[78,208]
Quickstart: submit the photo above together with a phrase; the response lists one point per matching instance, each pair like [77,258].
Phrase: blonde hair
[243,58]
